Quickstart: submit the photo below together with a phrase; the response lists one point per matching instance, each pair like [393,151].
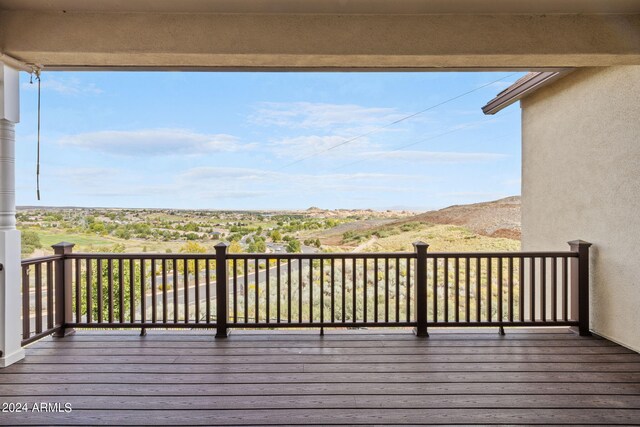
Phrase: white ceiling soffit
[333,6]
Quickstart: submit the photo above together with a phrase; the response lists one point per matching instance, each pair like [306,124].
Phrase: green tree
[97,227]
[111,292]
[30,242]
[293,246]
[191,248]
[258,245]
[276,236]
[234,247]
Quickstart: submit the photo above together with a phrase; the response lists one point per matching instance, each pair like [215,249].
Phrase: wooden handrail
[223,291]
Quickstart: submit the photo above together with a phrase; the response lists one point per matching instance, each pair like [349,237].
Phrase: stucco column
[10,297]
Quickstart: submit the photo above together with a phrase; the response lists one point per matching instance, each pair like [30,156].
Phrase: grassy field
[94,243]
[154,231]
[441,238]
[444,238]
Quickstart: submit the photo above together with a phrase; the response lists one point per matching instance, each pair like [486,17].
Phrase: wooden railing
[419,289]
[38,288]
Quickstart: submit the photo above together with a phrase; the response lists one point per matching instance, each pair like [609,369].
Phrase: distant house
[581,179]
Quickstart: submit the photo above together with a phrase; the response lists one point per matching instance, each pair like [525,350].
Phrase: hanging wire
[37,73]
[380,128]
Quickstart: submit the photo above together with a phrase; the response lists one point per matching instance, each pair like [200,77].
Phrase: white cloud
[64,85]
[233,194]
[244,182]
[224,173]
[206,173]
[434,156]
[308,115]
[93,178]
[153,142]
[305,146]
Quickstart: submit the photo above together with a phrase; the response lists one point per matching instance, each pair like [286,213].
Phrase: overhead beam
[411,7]
[75,40]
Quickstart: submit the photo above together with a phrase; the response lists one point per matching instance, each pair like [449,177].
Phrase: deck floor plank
[343,378]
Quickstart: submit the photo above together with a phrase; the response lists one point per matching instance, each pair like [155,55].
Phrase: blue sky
[266,140]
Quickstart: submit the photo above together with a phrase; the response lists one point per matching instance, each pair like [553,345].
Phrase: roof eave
[520,90]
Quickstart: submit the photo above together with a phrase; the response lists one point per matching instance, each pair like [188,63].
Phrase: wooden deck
[345,377]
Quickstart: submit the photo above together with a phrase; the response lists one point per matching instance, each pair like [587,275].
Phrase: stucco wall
[581,180]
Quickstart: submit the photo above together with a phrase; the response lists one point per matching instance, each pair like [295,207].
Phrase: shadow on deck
[345,377]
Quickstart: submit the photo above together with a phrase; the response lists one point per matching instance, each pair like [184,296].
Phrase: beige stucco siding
[581,180]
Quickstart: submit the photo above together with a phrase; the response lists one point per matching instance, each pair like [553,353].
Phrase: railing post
[222,306]
[421,288]
[63,289]
[580,284]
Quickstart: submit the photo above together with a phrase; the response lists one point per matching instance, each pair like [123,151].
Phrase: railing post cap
[221,245]
[63,247]
[579,243]
[420,244]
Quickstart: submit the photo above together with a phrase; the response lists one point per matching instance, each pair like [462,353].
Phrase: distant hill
[499,218]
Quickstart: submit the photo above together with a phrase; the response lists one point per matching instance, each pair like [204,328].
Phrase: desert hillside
[499,218]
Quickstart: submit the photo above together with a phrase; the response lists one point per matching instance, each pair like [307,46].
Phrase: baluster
[207,290]
[196,279]
[435,290]
[121,292]
[489,289]
[478,289]
[89,279]
[256,275]
[355,290]
[99,297]
[50,317]
[364,287]
[176,301]
[143,292]
[511,307]
[333,291]
[408,281]
[467,288]
[565,289]
[235,290]
[457,290]
[310,290]
[521,297]
[375,290]
[154,301]
[289,290]
[278,295]
[245,287]
[543,289]
[386,289]
[110,288]
[26,305]
[344,292]
[185,274]
[267,273]
[78,290]
[38,297]
[132,291]
[554,289]
[532,289]
[500,291]
[446,289]
[164,291]
[398,290]
[299,290]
